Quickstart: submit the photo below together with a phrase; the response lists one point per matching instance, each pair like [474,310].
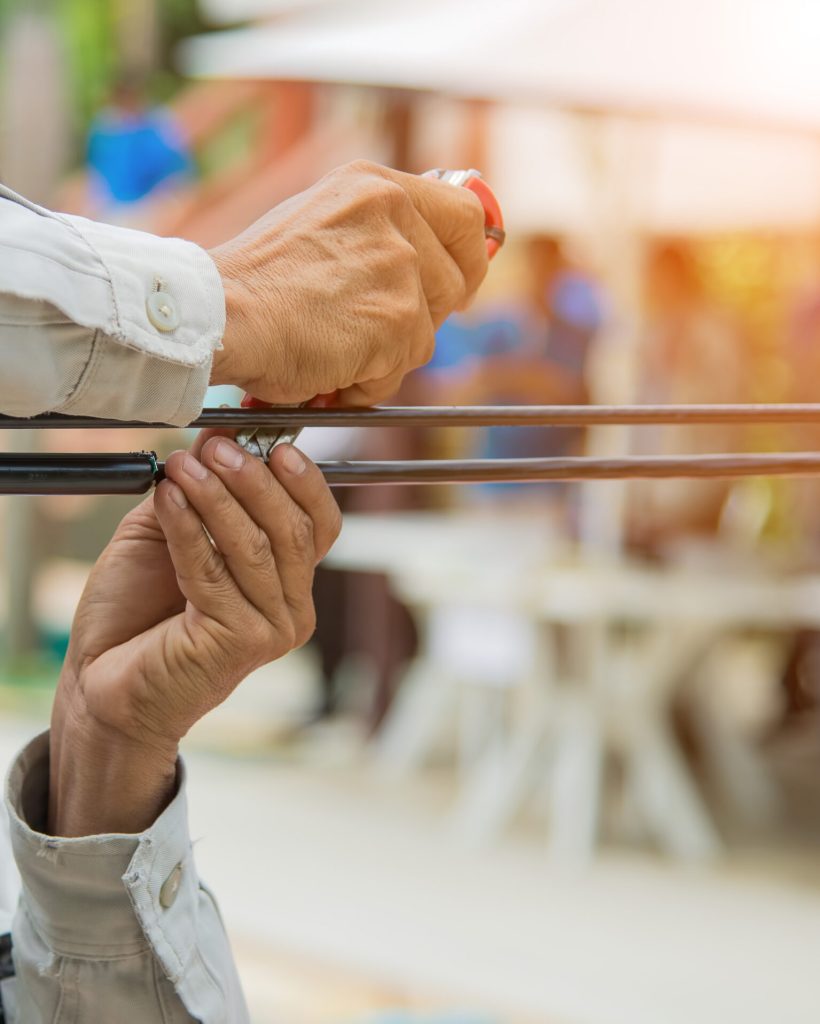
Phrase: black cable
[29,473]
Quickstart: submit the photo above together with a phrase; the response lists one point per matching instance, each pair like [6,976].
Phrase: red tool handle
[493,217]
[319,402]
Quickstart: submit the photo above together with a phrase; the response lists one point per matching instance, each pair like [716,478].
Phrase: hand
[170,623]
[343,286]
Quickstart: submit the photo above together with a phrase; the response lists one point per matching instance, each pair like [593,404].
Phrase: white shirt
[103,321]
[112,928]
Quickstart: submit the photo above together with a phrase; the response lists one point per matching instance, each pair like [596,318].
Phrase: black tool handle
[137,472]
[25,473]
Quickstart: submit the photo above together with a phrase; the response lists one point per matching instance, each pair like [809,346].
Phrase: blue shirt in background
[564,342]
[132,154]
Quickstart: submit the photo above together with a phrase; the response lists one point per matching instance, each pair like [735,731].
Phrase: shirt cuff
[169,316]
[155,308]
[104,896]
[157,391]
[168,298]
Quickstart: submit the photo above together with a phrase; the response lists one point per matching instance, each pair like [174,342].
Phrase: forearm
[102,781]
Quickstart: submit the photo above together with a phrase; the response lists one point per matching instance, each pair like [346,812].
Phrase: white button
[170,887]
[162,311]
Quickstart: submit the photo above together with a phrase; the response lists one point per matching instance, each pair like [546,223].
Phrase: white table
[604,647]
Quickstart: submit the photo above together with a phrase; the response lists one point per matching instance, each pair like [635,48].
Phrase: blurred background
[553,754]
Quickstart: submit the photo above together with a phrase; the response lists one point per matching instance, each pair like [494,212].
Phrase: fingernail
[176,495]
[194,468]
[293,461]
[229,455]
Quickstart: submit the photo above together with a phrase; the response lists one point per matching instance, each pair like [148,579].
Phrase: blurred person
[535,345]
[339,289]
[690,351]
[532,350]
[135,150]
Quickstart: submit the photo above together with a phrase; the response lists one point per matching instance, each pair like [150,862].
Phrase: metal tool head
[260,442]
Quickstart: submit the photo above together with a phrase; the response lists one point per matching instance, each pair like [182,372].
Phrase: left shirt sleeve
[112,927]
[101,320]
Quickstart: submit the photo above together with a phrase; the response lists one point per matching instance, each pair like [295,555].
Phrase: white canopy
[755,60]
[551,171]
[731,89]
[226,12]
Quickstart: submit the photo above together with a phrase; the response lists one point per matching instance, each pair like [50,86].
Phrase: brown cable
[459,416]
[580,468]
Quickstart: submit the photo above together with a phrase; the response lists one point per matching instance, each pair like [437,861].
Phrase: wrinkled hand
[343,286]
[174,617]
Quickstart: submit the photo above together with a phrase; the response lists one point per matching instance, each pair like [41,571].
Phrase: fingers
[278,532]
[411,351]
[307,488]
[270,526]
[288,500]
[442,280]
[372,392]
[204,436]
[242,568]
[256,491]
[445,226]
[201,571]
[456,217]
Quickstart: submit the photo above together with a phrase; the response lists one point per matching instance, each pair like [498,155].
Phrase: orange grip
[493,217]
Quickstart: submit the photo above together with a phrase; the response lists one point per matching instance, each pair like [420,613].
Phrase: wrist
[101,779]
[226,365]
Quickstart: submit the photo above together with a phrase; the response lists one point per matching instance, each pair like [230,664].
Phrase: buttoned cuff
[104,896]
[167,294]
[154,309]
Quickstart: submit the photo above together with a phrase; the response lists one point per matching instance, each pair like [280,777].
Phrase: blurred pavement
[345,893]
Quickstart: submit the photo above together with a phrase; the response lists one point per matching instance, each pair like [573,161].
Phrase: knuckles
[300,535]
[270,639]
[210,571]
[258,550]
[358,168]
[366,182]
